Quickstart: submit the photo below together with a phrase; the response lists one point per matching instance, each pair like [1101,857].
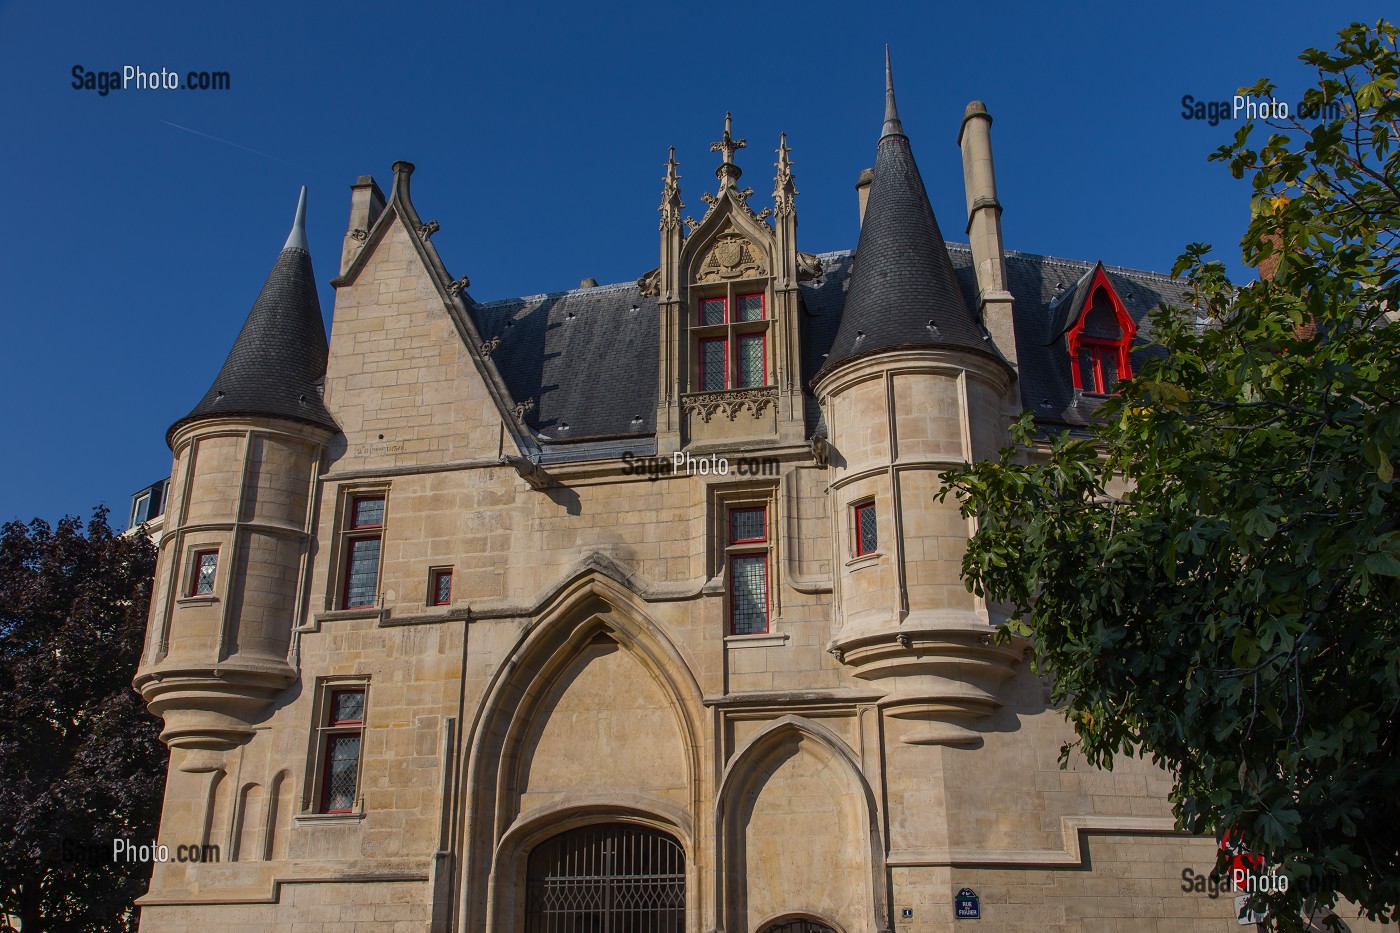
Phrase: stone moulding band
[729,403]
[1073,855]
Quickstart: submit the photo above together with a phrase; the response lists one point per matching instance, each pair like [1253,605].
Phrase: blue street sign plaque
[966,905]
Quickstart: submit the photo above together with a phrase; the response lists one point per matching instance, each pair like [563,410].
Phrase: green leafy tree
[80,761]
[1212,575]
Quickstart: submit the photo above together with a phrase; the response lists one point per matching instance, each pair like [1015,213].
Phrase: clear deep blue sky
[134,249]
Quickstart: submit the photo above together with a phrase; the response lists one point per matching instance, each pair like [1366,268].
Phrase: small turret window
[203,572]
[866,530]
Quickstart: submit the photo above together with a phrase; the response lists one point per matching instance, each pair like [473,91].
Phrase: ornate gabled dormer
[728,290]
[1098,333]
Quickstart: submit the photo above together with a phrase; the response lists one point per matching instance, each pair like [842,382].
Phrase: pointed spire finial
[297,238]
[892,125]
[726,147]
[671,205]
[783,188]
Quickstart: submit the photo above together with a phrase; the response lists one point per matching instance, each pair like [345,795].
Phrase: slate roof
[278,362]
[588,357]
[904,293]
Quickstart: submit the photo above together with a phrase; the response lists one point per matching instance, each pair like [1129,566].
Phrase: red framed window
[714,311]
[714,364]
[750,307]
[203,572]
[866,530]
[363,538]
[747,555]
[753,360]
[1100,340]
[440,588]
[340,747]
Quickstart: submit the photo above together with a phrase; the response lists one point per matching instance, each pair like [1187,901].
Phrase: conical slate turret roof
[903,291]
[279,359]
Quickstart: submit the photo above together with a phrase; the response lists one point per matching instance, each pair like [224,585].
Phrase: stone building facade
[630,608]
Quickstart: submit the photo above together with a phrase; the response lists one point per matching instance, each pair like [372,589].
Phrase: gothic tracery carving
[730,403]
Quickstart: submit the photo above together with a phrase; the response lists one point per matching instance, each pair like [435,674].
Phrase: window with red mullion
[748,594]
[342,748]
[866,531]
[362,552]
[714,364]
[714,311]
[748,526]
[749,304]
[753,367]
[441,590]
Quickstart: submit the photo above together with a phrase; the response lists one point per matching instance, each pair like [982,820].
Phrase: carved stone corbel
[531,472]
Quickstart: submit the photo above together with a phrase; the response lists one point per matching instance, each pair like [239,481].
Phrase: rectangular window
[751,360]
[714,364]
[747,553]
[750,307]
[340,745]
[362,550]
[440,588]
[202,573]
[712,311]
[749,580]
[866,534]
[748,526]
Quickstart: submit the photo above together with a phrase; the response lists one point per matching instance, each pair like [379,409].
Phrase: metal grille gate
[607,878]
[800,925]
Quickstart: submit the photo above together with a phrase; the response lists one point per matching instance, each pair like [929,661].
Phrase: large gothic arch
[591,621]
[758,762]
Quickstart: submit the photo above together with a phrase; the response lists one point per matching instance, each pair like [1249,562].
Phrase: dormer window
[1100,339]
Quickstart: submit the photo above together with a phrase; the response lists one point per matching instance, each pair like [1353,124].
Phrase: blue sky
[135,247]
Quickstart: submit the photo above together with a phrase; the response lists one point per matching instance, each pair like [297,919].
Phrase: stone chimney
[984,228]
[366,204]
[867,175]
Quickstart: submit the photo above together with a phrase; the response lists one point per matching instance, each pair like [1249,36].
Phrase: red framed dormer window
[1100,339]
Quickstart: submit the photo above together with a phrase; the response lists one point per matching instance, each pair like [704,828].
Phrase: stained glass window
[368,513]
[342,763]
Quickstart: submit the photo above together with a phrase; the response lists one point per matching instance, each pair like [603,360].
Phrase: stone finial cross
[728,145]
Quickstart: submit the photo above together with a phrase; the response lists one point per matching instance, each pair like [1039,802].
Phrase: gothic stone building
[631,608]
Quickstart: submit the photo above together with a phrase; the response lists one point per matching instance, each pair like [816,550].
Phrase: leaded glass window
[340,749]
[362,572]
[713,365]
[867,537]
[749,593]
[712,311]
[205,565]
[751,361]
[750,307]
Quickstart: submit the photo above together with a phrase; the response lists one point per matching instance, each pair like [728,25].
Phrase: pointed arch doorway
[606,878]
